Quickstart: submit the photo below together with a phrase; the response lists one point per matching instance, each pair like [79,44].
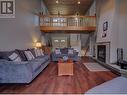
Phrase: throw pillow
[64,50]
[37,52]
[22,54]
[57,51]
[29,55]
[70,51]
[32,51]
[15,57]
[41,52]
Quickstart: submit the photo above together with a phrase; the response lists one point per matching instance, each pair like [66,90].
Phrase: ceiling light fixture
[77,13]
[57,1]
[78,5]
[79,2]
[58,13]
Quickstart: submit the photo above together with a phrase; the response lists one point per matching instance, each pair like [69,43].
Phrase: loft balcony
[68,23]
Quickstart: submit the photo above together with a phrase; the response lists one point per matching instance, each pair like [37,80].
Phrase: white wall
[45,12]
[115,12]
[75,42]
[59,36]
[43,39]
[106,13]
[59,44]
[92,36]
[114,34]
[122,40]
[21,32]
[92,10]
[44,8]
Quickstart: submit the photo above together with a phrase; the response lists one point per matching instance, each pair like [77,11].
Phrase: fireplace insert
[101,55]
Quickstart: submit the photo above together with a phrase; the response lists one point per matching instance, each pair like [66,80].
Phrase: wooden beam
[64,16]
[69,28]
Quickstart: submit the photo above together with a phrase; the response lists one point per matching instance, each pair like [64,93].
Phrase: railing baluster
[80,21]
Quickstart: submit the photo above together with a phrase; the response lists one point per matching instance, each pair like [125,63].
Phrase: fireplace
[101,53]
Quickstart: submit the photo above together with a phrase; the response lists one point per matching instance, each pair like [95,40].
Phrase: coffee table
[65,68]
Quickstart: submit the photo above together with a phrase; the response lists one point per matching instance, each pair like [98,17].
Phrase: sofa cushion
[71,55]
[70,51]
[32,51]
[64,50]
[22,54]
[38,52]
[15,57]
[57,51]
[37,62]
[58,55]
[5,54]
[42,52]
[117,85]
[29,55]
[35,65]
[42,58]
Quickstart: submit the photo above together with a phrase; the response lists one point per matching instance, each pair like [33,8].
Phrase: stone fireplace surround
[113,67]
[103,52]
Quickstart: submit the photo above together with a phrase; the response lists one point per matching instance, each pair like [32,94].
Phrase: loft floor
[48,82]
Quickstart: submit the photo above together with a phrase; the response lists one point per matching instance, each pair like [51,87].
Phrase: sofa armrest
[14,71]
[6,62]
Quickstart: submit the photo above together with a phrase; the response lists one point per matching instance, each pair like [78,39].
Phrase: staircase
[85,39]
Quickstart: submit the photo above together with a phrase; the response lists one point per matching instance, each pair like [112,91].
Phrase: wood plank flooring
[48,82]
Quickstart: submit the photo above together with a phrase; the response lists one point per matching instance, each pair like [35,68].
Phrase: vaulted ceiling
[68,7]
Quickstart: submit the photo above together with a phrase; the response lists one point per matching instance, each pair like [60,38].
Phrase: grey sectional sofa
[64,52]
[22,72]
[116,86]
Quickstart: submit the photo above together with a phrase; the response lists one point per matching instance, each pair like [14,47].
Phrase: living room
[37,60]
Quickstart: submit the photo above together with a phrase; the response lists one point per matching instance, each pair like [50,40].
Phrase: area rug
[94,67]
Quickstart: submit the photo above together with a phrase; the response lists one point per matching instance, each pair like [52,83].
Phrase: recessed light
[79,2]
[57,1]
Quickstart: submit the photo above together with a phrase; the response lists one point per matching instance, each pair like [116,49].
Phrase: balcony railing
[83,22]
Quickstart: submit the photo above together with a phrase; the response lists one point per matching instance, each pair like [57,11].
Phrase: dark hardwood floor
[49,82]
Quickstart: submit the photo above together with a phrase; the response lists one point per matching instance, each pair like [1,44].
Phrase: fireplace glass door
[101,53]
